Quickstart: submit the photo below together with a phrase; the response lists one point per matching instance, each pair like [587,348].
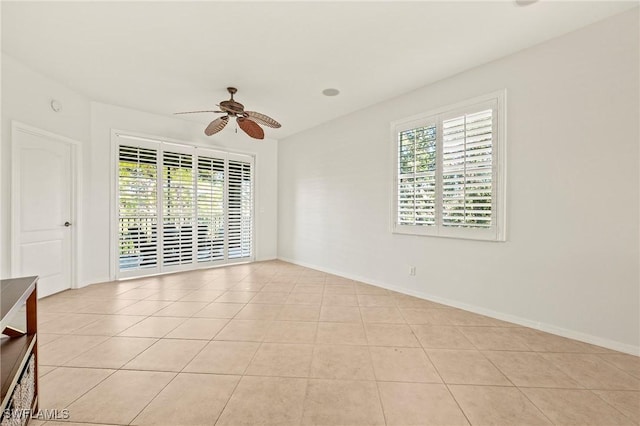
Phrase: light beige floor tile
[202,296]
[171,295]
[494,338]
[314,299]
[592,372]
[45,338]
[493,405]
[419,404]
[110,325]
[153,327]
[430,316]
[236,297]
[340,333]
[219,310]
[190,399]
[244,330]
[112,353]
[281,360]
[291,332]
[43,370]
[144,307]
[441,337]
[398,364]
[530,369]
[627,402]
[265,400]
[340,402]
[120,397]
[258,311]
[308,288]
[270,298]
[137,293]
[340,314]
[544,342]
[223,358]
[381,314]
[390,335]
[278,287]
[410,302]
[248,286]
[627,363]
[333,290]
[181,309]
[468,367]
[62,386]
[299,313]
[68,323]
[108,306]
[63,349]
[575,407]
[166,355]
[367,289]
[342,362]
[375,300]
[198,328]
[461,317]
[339,300]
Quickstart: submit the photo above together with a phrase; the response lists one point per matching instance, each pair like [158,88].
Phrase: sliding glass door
[181,207]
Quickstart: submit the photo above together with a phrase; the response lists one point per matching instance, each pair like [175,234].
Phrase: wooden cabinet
[18,350]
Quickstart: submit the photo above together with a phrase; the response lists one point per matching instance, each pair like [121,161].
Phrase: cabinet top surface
[14,292]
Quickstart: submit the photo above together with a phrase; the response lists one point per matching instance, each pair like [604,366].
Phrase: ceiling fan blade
[250,127]
[216,125]
[192,112]
[262,119]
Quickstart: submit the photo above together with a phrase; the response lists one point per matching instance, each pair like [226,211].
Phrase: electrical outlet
[412,271]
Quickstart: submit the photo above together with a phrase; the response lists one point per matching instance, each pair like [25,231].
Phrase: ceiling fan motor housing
[232,107]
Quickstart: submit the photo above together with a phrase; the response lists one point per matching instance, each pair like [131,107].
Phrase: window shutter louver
[467,170]
[177,208]
[417,176]
[211,207]
[240,209]
[137,209]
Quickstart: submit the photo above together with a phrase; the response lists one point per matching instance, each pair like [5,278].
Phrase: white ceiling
[164,57]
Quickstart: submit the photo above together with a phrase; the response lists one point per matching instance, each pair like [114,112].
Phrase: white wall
[106,117]
[570,264]
[26,96]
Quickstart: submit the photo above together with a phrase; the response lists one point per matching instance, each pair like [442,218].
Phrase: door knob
[67,224]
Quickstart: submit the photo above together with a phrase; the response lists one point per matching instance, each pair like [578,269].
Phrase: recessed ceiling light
[331,92]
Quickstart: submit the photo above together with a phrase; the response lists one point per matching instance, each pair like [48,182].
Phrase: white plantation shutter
[137,208]
[211,209]
[467,170]
[180,207]
[240,210]
[417,176]
[450,171]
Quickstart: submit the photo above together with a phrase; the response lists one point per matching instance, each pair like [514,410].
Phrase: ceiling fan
[248,121]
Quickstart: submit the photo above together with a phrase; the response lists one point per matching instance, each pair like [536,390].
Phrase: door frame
[75,148]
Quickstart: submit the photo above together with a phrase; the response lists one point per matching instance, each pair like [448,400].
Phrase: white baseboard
[548,328]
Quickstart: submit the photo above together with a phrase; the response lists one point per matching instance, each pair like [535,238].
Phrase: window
[181,207]
[450,171]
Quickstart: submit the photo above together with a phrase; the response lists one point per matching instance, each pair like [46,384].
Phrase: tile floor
[275,343]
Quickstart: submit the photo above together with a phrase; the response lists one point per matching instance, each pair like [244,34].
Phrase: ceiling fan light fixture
[248,121]
[331,92]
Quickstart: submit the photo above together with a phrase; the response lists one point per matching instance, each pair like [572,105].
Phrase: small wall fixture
[331,92]
[56,105]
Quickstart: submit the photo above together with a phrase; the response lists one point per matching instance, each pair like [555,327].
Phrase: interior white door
[43,210]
